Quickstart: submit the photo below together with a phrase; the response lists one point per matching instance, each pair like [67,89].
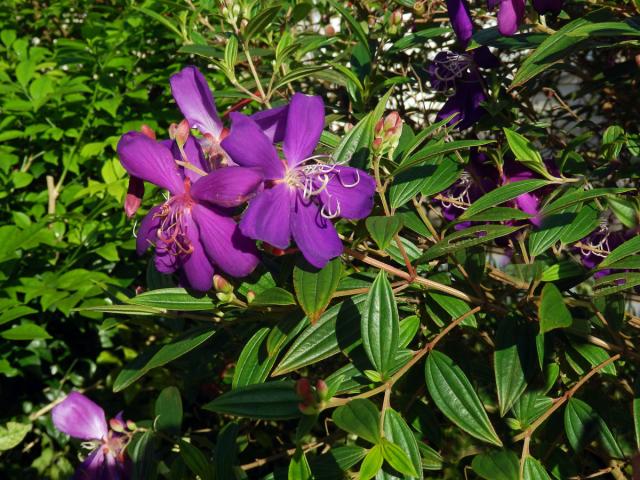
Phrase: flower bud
[221,284]
[182,133]
[396,17]
[225,297]
[418,7]
[329,31]
[251,296]
[323,390]
[303,388]
[135,192]
[117,425]
[148,132]
[131,426]
[387,133]
[392,123]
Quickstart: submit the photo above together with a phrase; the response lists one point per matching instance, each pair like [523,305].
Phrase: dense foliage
[474,314]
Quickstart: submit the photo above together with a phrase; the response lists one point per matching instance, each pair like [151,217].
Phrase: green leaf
[231,53]
[502,194]
[408,328]
[360,417]
[25,332]
[585,222]
[314,288]
[143,456]
[338,328]
[636,420]
[512,360]
[260,22]
[579,196]
[499,214]
[397,431]
[446,173]
[528,408]
[383,229]
[533,470]
[431,459]
[497,465]
[299,468]
[464,239]
[552,312]
[226,453]
[435,150]
[549,231]
[297,74]
[526,153]
[158,356]
[371,464]
[628,248]
[397,458]
[254,362]
[173,299]
[426,179]
[335,462]
[558,47]
[582,425]
[356,28]
[454,396]
[380,325]
[12,434]
[160,19]
[594,355]
[273,296]
[417,39]
[614,283]
[168,411]
[560,271]
[196,461]
[269,401]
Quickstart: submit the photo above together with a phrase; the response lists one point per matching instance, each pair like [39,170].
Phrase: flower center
[173,229]
[448,68]
[598,244]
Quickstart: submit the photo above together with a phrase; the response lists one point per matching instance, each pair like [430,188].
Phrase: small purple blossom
[510,14]
[191,230]
[81,418]
[301,194]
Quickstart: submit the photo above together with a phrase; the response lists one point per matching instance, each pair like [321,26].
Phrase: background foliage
[75,75]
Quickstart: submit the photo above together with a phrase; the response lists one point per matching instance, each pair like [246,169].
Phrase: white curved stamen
[352,184]
[326,213]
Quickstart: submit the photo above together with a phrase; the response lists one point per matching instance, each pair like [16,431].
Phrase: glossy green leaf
[630,247]
[397,458]
[526,153]
[562,270]
[454,396]
[226,453]
[269,401]
[260,22]
[254,362]
[360,417]
[168,411]
[273,296]
[25,332]
[335,462]
[314,288]
[533,470]
[338,328]
[585,222]
[372,463]
[614,283]
[431,459]
[299,468]
[142,452]
[497,465]
[173,299]
[550,231]
[196,461]
[582,425]
[437,149]
[594,355]
[397,431]
[502,194]
[578,196]
[417,39]
[12,434]
[380,324]
[512,361]
[158,356]
[552,312]
[499,214]
[529,407]
[636,419]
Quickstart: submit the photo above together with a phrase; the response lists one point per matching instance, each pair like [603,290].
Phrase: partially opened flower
[510,14]
[301,194]
[191,230]
[81,418]
[460,17]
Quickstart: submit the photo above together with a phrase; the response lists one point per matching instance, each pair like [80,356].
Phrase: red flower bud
[221,284]
[303,388]
[147,131]
[135,192]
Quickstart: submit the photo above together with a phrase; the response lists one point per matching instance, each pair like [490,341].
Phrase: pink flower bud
[182,133]
[135,192]
[147,131]
[303,388]
[377,143]
[251,296]
[117,425]
[221,284]
[396,17]
[323,390]
[392,122]
[379,127]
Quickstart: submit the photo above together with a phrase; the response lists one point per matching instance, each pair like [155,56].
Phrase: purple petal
[528,203]
[194,155]
[350,192]
[510,16]
[491,4]
[484,58]
[461,20]
[465,103]
[92,468]
[273,122]
[147,232]
[248,146]
[195,100]
[305,122]
[197,268]
[227,187]
[315,236]
[79,417]
[225,245]
[149,160]
[166,259]
[268,214]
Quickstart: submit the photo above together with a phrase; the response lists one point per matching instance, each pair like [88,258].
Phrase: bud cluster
[387,133]
[314,399]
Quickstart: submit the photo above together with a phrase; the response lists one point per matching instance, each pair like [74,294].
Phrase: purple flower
[301,194]
[510,14]
[80,418]
[459,76]
[191,230]
[548,6]
[460,16]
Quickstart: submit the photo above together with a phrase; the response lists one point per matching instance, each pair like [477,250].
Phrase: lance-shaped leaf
[255,361]
[526,153]
[582,424]
[360,417]
[496,465]
[397,458]
[533,470]
[173,299]
[315,287]
[454,396]
[372,463]
[630,247]
[269,401]
[226,450]
[168,411]
[380,325]
[552,312]
[299,468]
[397,431]
[501,195]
